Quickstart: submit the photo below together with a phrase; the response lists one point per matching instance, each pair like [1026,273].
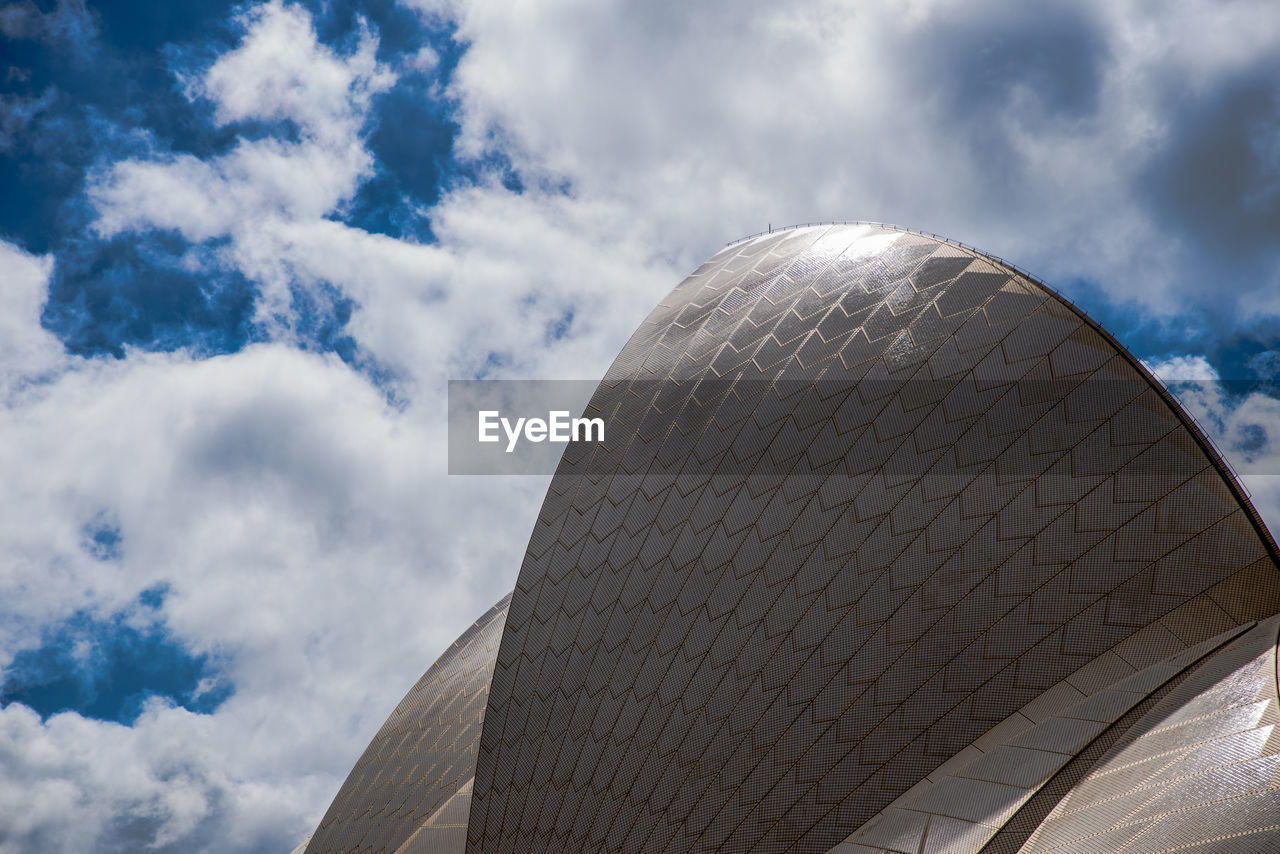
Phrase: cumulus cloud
[259,181]
[129,789]
[1182,368]
[27,351]
[1084,140]
[281,71]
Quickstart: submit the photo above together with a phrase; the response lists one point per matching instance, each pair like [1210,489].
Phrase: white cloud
[72,784]
[280,71]
[425,60]
[258,183]
[27,352]
[1034,134]
[1182,368]
[508,269]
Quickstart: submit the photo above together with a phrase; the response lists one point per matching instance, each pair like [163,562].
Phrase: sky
[243,248]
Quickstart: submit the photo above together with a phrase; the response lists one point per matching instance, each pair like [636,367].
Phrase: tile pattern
[962,806]
[424,753]
[1200,772]
[446,831]
[970,493]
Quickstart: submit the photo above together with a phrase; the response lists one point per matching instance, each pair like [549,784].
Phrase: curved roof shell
[890,548]
[865,495]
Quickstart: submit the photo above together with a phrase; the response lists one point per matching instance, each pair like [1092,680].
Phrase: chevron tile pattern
[865,495]
[424,753]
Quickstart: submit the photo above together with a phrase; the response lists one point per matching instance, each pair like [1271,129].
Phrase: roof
[871,505]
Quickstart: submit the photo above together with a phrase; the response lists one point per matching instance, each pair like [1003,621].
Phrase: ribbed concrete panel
[422,756]
[1200,772]
[968,802]
[865,494]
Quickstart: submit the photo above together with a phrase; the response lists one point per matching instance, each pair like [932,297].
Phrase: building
[890,548]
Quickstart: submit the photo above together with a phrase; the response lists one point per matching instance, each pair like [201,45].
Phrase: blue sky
[243,246]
